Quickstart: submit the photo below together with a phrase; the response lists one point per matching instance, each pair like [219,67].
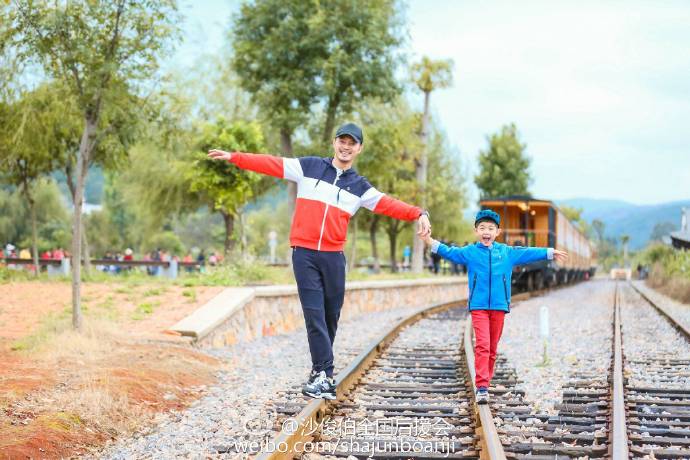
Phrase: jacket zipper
[474,283]
[505,289]
[323,222]
[489,278]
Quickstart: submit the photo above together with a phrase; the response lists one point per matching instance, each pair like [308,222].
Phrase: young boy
[490,266]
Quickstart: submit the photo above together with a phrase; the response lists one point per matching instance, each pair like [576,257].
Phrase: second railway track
[410,396]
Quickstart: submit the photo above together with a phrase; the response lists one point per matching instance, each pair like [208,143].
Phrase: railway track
[410,395]
[656,367]
[640,410]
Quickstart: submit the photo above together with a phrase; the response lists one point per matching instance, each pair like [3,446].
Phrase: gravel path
[680,310]
[648,340]
[580,341]
[240,406]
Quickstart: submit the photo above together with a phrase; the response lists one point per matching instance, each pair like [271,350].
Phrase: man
[329,192]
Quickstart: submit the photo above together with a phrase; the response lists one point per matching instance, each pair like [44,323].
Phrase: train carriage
[527,221]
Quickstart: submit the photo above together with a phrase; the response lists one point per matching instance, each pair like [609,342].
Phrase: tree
[356,59]
[275,58]
[599,227]
[503,166]
[388,162]
[625,239]
[100,50]
[225,187]
[428,75]
[662,229]
[28,147]
[291,55]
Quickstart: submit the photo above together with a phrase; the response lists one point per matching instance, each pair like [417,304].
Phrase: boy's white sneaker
[482,396]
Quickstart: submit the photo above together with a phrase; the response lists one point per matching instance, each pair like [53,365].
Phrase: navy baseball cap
[352,130]
[487,214]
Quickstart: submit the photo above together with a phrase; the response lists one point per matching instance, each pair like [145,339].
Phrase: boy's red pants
[488,326]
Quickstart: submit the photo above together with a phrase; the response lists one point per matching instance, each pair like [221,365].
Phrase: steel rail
[302,428]
[670,317]
[619,432]
[491,446]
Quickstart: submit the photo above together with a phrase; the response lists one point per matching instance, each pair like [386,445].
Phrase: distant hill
[621,217]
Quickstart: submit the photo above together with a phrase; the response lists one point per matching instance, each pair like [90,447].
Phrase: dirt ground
[64,393]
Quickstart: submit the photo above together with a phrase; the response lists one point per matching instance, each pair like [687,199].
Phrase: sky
[599,91]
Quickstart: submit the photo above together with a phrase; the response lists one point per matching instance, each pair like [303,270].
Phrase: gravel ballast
[579,340]
[240,405]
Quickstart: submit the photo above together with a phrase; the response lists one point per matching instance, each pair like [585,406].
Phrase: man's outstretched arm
[380,203]
[283,168]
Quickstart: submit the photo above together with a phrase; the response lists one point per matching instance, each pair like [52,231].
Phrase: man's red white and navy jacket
[325,202]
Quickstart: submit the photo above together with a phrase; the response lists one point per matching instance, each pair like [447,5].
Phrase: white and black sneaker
[330,391]
[320,386]
[315,384]
[482,396]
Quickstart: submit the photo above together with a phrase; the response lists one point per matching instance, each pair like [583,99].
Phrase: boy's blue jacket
[490,270]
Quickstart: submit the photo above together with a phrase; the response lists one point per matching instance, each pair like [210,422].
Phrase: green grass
[155,291]
[235,274]
[143,310]
[50,325]
[191,293]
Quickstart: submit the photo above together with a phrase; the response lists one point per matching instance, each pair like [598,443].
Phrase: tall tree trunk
[85,147]
[286,145]
[244,247]
[373,229]
[229,228]
[69,174]
[393,243]
[34,235]
[331,112]
[421,172]
[85,248]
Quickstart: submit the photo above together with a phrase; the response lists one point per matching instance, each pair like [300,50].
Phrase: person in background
[201,260]
[58,254]
[187,259]
[407,253]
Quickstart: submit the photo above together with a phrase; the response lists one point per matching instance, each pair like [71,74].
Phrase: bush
[669,270]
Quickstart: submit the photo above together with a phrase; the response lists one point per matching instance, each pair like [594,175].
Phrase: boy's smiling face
[486,232]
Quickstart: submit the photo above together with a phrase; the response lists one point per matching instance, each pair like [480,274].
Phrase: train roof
[515,198]
[522,198]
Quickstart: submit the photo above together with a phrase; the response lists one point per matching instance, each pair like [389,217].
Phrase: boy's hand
[424,226]
[428,240]
[560,255]
[216,154]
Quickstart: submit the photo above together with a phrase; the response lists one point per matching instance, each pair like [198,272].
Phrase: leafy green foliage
[430,75]
[224,186]
[292,54]
[503,166]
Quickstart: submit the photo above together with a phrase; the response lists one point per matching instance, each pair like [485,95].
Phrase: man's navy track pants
[320,279]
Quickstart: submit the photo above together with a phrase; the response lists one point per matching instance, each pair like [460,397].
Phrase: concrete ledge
[243,314]
[290,289]
[214,312]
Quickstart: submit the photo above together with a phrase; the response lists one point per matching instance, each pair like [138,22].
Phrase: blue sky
[600,91]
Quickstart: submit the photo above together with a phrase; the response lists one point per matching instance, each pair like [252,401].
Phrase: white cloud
[600,92]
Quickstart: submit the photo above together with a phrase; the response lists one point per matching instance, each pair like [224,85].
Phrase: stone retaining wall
[276,309]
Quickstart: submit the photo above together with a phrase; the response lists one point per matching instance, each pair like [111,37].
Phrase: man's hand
[424,227]
[560,255]
[216,154]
